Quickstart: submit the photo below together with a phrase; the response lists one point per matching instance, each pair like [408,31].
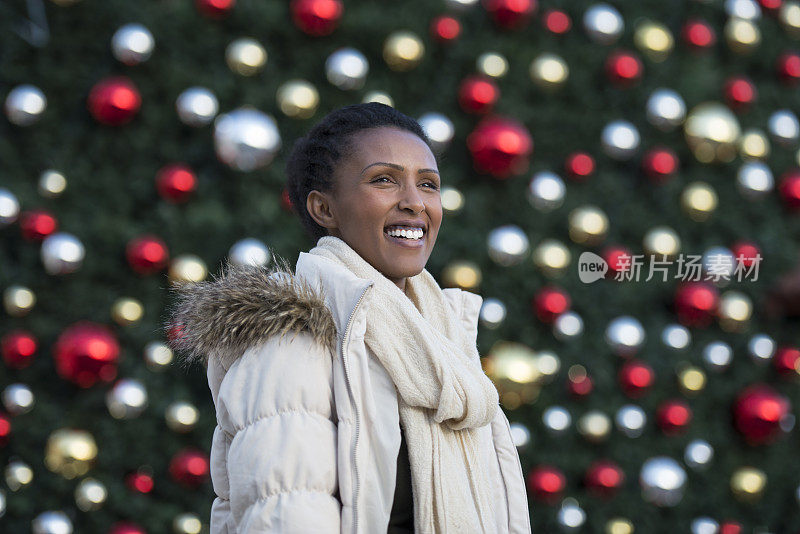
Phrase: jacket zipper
[355,406]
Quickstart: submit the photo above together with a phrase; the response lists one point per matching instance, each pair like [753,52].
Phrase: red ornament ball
[623,68]
[286,201]
[500,146]
[550,302]
[35,225]
[660,164]
[147,254]
[86,353]
[696,303]
[618,258]
[114,101]
[579,384]
[556,21]
[215,9]
[673,416]
[699,34]
[140,481]
[730,527]
[788,67]
[579,166]
[740,93]
[604,478]
[787,361]
[510,14]
[126,527]
[18,348]
[546,483]
[445,29]
[176,182]
[789,189]
[190,467]
[771,5]
[478,94]
[758,413]
[316,17]
[636,377]
[5,429]
[746,253]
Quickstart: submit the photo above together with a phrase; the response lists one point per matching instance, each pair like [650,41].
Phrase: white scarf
[444,395]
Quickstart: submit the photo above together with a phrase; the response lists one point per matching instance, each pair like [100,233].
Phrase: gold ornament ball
[52,183]
[552,257]
[245,56]
[654,40]
[90,494]
[403,50]
[691,380]
[452,200]
[754,145]
[619,525]
[18,475]
[70,452]
[712,133]
[492,64]
[549,71]
[594,426]
[181,416]
[661,241]
[187,268]
[18,301]
[742,35]
[298,99]
[187,523]
[748,483]
[735,310]
[699,200]
[127,311]
[789,18]
[587,225]
[158,356]
[378,96]
[513,369]
[463,274]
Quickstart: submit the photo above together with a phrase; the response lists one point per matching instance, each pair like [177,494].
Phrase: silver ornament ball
[127,399]
[620,140]
[439,129]
[603,23]
[567,326]
[18,399]
[520,434]
[676,336]
[132,44]
[556,419]
[347,69]
[246,139]
[625,335]
[666,109]
[9,207]
[546,191]
[662,481]
[25,104]
[743,9]
[51,522]
[761,348]
[493,313]
[630,420]
[250,251]
[62,253]
[754,180]
[784,127]
[507,245]
[704,525]
[197,106]
[698,454]
[717,356]
[571,516]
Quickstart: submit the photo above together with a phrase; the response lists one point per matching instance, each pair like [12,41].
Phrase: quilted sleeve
[274,450]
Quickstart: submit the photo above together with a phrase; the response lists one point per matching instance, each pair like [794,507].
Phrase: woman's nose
[411,198]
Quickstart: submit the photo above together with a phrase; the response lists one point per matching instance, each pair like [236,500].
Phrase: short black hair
[313,157]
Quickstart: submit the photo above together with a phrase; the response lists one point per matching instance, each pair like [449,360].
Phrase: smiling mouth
[405,241]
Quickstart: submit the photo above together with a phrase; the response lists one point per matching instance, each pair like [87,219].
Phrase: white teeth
[408,234]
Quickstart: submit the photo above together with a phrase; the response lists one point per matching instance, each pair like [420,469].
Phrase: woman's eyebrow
[398,167]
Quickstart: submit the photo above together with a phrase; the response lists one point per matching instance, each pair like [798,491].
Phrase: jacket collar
[246,305]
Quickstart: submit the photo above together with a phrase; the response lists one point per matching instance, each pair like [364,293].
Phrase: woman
[374,415]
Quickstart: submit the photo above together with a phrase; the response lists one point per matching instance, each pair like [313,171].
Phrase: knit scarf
[443,394]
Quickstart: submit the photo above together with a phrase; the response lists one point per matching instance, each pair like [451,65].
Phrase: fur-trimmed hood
[243,306]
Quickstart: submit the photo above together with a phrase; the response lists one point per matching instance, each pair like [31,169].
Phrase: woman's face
[389,178]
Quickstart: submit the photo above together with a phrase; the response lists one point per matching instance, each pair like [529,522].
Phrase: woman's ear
[318,206]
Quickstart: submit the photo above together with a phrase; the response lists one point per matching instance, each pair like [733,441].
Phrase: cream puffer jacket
[308,429]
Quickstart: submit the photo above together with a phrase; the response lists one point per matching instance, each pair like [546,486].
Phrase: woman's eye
[380,178]
[433,185]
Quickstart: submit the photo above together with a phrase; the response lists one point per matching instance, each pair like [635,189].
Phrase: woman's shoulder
[242,307]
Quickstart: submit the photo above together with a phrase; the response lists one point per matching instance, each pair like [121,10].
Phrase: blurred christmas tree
[144,142]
